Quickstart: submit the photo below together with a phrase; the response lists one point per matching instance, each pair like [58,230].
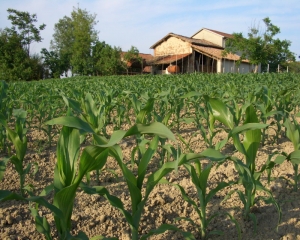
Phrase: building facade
[200,53]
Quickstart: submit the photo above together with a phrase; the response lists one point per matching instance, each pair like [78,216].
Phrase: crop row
[253,110]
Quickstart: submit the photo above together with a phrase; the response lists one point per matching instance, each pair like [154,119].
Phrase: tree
[260,48]
[132,58]
[73,39]
[24,22]
[106,59]
[14,62]
[54,65]
[63,39]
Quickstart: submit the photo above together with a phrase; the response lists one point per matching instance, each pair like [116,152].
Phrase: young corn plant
[249,176]
[293,134]
[266,108]
[71,167]
[199,177]
[137,186]
[19,140]
[3,112]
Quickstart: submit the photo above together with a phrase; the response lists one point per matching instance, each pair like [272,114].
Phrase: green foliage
[24,22]
[106,59]
[260,48]
[73,39]
[15,61]
[19,140]
[249,175]
[132,58]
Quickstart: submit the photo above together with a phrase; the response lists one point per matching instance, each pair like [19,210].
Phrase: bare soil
[95,216]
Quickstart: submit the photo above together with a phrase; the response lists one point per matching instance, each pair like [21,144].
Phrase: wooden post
[202,61]
[268,68]
[181,64]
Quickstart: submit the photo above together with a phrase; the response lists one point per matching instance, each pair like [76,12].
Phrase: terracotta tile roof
[145,56]
[167,59]
[186,39]
[216,53]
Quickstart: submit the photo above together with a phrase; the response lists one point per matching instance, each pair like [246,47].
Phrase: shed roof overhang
[216,53]
[167,59]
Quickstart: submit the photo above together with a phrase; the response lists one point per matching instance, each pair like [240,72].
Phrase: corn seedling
[293,133]
[249,177]
[199,177]
[19,140]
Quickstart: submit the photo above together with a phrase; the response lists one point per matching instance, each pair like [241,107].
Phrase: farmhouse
[138,66]
[201,52]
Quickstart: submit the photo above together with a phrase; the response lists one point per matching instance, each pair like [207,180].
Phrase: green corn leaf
[294,157]
[280,159]
[42,201]
[135,192]
[220,112]
[246,127]
[144,162]
[91,110]
[3,120]
[68,148]
[41,224]
[71,121]
[92,158]
[146,110]
[71,103]
[19,144]
[203,179]
[252,138]
[3,163]
[114,201]
[6,195]
[218,188]
[167,167]
[191,94]
[64,200]
[156,128]
[292,133]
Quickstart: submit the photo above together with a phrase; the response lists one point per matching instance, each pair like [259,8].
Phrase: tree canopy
[73,39]
[75,47]
[261,47]
[15,60]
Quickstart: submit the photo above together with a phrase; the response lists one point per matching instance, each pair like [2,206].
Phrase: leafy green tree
[260,48]
[73,39]
[54,65]
[106,59]
[85,36]
[14,62]
[62,42]
[132,58]
[23,24]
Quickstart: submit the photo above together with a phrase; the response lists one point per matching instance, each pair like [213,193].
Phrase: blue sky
[141,23]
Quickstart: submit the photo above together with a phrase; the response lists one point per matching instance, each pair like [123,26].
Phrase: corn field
[198,156]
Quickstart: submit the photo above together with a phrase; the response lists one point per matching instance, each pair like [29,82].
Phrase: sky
[141,23]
